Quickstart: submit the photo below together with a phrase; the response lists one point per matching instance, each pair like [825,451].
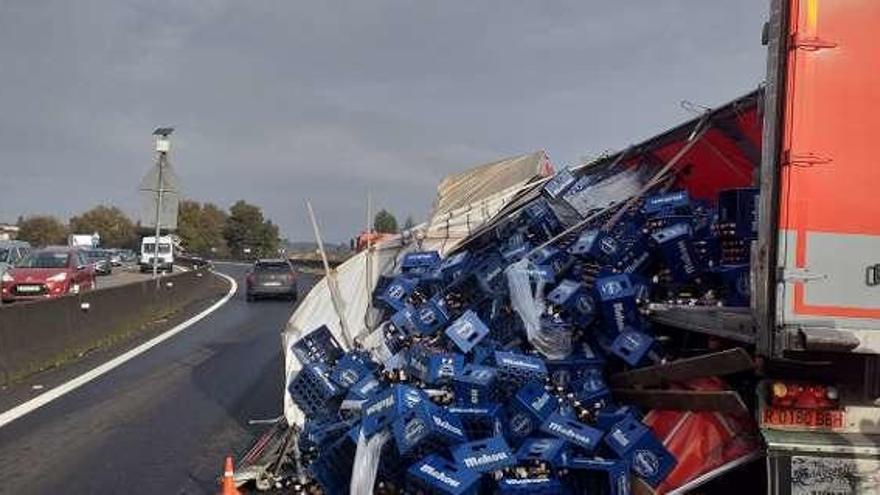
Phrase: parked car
[115,257]
[100,259]
[127,255]
[11,252]
[271,278]
[46,273]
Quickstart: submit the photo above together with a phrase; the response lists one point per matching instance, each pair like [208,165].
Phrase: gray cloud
[279,101]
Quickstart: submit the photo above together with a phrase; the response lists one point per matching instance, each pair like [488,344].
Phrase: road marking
[67,387]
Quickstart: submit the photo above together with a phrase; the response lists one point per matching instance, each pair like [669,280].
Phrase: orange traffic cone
[227,485]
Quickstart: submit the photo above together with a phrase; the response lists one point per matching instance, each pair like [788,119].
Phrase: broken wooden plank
[714,364]
[681,400]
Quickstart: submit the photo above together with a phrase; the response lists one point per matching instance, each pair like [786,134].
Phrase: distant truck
[84,241]
[164,255]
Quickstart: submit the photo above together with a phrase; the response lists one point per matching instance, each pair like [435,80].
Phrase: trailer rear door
[829,216]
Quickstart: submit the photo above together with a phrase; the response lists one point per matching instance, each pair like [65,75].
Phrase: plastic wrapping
[529,305]
[366,462]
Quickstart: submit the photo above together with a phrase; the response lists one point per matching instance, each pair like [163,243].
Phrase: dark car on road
[271,278]
[46,273]
[101,260]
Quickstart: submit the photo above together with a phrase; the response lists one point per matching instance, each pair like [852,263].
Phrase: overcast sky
[279,101]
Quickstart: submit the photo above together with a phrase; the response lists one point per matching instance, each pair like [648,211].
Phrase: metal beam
[714,364]
[681,400]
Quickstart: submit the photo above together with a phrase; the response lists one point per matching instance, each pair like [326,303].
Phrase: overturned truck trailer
[700,302]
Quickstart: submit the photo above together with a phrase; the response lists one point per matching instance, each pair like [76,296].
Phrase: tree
[409,223]
[385,222]
[42,230]
[246,229]
[200,227]
[114,226]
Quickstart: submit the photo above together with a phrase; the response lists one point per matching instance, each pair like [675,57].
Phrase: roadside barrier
[40,335]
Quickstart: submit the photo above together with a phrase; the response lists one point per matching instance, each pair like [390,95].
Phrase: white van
[165,254]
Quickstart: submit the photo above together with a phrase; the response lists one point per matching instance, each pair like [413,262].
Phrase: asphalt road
[162,422]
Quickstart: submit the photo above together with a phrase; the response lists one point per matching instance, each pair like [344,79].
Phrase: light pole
[163,146]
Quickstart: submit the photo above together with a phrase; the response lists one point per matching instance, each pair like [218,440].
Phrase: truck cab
[163,255]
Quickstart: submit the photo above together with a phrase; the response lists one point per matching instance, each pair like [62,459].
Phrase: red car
[45,273]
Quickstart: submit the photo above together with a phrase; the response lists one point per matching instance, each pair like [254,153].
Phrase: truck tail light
[803,395]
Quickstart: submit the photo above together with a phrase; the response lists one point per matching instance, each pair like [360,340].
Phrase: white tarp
[452,222]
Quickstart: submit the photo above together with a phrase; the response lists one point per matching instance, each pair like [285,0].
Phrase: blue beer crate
[467,331]
[425,429]
[575,300]
[616,295]
[384,407]
[551,262]
[438,476]
[736,288]
[515,248]
[404,320]
[420,263]
[364,389]
[313,391]
[515,369]
[672,203]
[549,451]
[456,267]
[323,430]
[318,346]
[591,390]
[479,421]
[534,400]
[598,245]
[638,258]
[531,486]
[484,456]
[541,218]
[556,186]
[431,316]
[351,368]
[634,442]
[597,475]
[433,366]
[584,437]
[332,468]
[475,385]
[397,291]
[610,416]
[677,250]
[635,348]
[490,275]
[738,213]
[582,359]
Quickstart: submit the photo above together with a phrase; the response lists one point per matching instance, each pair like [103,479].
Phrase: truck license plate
[833,419]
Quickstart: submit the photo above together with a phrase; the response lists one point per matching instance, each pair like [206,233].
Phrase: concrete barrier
[39,335]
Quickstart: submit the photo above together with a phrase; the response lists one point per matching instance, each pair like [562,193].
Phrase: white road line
[61,390]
